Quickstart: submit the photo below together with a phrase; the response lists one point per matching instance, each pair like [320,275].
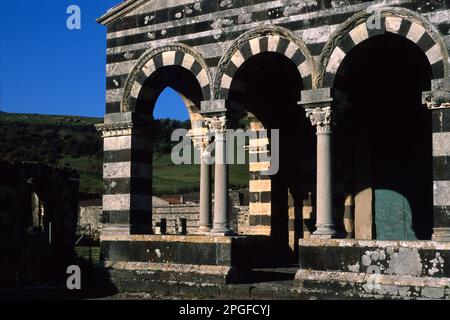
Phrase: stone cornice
[120,10]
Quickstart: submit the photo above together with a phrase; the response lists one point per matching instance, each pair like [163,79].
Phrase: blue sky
[46,68]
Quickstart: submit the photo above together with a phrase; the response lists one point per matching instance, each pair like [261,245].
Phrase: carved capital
[323,118]
[122,129]
[436,99]
[217,124]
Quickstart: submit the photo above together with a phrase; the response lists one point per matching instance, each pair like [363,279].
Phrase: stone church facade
[360,93]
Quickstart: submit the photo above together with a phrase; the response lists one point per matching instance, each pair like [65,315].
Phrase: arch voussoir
[268,39]
[370,23]
[154,59]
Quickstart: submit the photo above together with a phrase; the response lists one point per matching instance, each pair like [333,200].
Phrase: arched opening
[265,91]
[171,98]
[384,142]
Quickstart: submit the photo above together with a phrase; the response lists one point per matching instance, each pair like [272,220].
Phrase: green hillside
[73,141]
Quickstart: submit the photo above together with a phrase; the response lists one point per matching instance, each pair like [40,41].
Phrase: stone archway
[377,21]
[266,39]
[128,145]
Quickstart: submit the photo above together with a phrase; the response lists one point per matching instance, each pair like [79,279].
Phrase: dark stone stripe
[116,217]
[206,93]
[116,82]
[208,7]
[258,176]
[375,31]
[196,68]
[328,80]
[282,45]
[298,58]
[231,69]
[140,156]
[179,57]
[438,70]
[426,42]
[440,120]
[158,61]
[347,44]
[246,51]
[260,220]
[206,26]
[264,44]
[441,216]
[127,186]
[260,197]
[441,168]
[141,77]
[404,27]
[307,83]
[112,107]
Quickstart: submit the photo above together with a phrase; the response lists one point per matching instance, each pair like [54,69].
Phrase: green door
[393,216]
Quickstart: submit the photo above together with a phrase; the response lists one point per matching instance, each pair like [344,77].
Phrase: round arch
[176,55]
[266,39]
[373,22]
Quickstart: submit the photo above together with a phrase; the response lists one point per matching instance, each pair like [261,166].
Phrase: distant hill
[73,141]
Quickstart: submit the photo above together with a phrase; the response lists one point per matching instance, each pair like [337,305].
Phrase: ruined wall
[31,251]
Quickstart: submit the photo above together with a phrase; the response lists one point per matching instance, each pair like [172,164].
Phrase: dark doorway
[384,141]
[267,88]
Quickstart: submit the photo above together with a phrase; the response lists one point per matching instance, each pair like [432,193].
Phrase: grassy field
[73,142]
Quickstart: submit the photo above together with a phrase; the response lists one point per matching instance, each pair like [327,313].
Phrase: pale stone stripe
[116,202]
[273,43]
[393,24]
[415,32]
[188,61]
[119,68]
[226,81]
[259,142]
[305,68]
[168,58]
[256,208]
[434,54]
[359,34]
[149,68]
[259,166]
[127,142]
[260,185]
[249,9]
[114,95]
[117,143]
[136,89]
[441,193]
[291,50]
[335,60]
[203,79]
[254,46]
[117,170]
[441,144]
[237,59]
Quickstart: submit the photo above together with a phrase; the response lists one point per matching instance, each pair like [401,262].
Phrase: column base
[221,233]
[441,234]
[204,229]
[324,233]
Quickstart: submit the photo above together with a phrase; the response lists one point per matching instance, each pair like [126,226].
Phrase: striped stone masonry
[127,174]
[260,185]
[438,101]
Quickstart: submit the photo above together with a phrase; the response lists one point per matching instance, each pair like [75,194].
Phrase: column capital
[323,118]
[124,124]
[437,99]
[217,124]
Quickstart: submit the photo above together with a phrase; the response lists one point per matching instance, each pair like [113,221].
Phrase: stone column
[127,174]
[324,118]
[438,101]
[221,221]
[201,142]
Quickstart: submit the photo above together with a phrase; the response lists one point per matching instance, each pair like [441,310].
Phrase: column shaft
[221,219]
[205,194]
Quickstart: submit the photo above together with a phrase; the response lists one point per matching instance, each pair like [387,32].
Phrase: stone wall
[38,215]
